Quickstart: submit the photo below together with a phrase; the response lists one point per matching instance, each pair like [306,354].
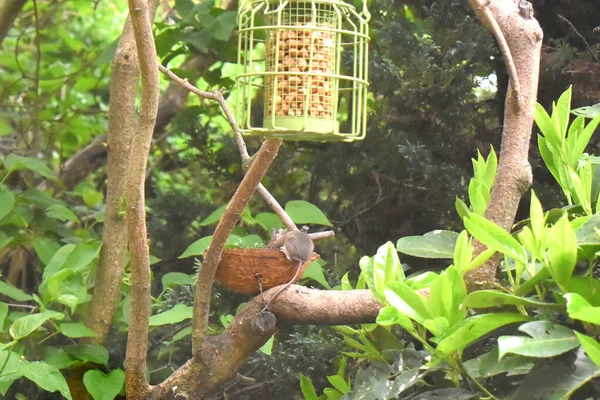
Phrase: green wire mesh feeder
[309,60]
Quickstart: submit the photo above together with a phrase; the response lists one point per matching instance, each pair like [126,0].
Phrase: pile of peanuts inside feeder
[302,48]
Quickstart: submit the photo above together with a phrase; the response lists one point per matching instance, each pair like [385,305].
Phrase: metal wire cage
[303,69]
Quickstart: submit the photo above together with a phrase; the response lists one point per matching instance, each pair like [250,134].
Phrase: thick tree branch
[233,211]
[137,340]
[524,38]
[122,120]
[9,10]
[224,354]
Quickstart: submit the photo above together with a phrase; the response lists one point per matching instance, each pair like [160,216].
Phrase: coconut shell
[238,269]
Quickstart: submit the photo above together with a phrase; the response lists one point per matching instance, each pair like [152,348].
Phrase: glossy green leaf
[179,313]
[102,386]
[590,346]
[562,250]
[9,290]
[268,221]
[46,377]
[68,288]
[76,330]
[461,208]
[546,340]
[89,353]
[463,252]
[435,244]
[579,308]
[267,348]
[3,314]
[536,213]
[61,213]
[45,248]
[308,390]
[562,111]
[214,217]
[339,383]
[28,324]
[171,279]
[315,272]
[408,302]
[58,260]
[488,365]
[91,197]
[389,315]
[14,162]
[559,379]
[7,202]
[494,298]
[494,237]
[547,126]
[303,212]
[201,245]
[473,328]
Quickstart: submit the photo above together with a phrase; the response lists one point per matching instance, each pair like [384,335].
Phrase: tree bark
[524,38]
[9,10]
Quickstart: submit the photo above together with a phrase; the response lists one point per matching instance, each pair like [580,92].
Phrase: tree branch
[121,128]
[9,10]
[250,329]
[137,340]
[233,211]
[524,39]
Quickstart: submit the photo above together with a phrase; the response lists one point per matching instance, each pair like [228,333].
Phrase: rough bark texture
[233,211]
[222,355]
[122,120]
[524,39]
[9,10]
[94,155]
[137,338]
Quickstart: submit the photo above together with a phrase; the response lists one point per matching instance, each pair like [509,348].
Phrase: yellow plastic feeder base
[300,128]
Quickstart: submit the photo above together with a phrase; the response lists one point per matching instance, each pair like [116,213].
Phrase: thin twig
[580,36]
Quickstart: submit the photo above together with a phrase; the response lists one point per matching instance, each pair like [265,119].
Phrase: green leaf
[463,252]
[58,260]
[591,347]
[547,340]
[559,379]
[339,383]
[390,316]
[46,377]
[267,348]
[5,240]
[435,244]
[562,250]
[3,314]
[303,212]
[16,294]
[493,298]
[268,221]
[562,110]
[28,324]
[76,330]
[68,288]
[45,248]
[179,313]
[345,282]
[548,157]
[102,386]
[586,287]
[314,271]
[214,216]
[308,390]
[7,202]
[536,213]
[461,208]
[579,308]
[14,162]
[61,213]
[58,357]
[494,237]
[201,245]
[488,365]
[386,265]
[547,126]
[459,336]
[91,196]
[408,302]
[227,22]
[89,353]
[175,279]
[490,169]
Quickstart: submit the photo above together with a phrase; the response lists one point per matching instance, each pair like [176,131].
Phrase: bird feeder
[303,69]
